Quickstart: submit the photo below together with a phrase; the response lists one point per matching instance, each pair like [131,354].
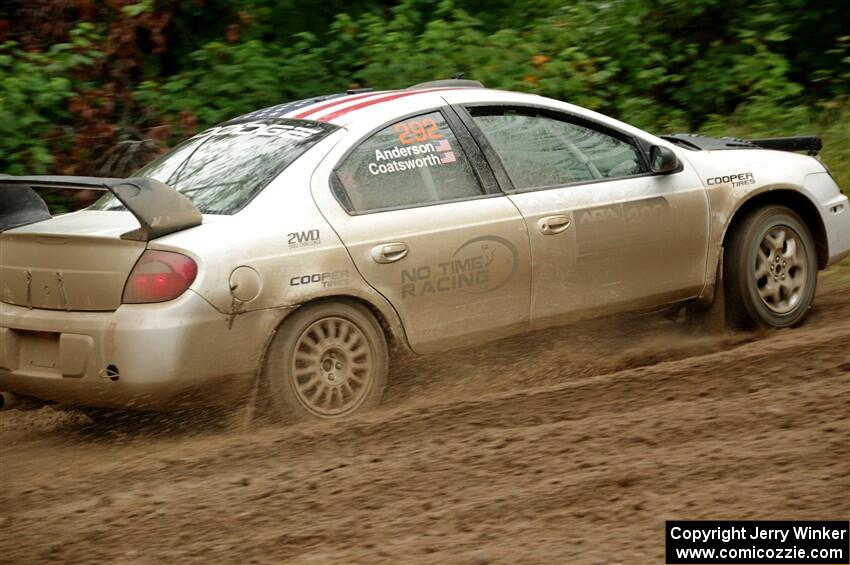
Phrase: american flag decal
[333,107]
[448,157]
[281,110]
[442,145]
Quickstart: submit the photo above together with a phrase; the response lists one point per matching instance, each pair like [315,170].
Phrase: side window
[416,161]
[539,151]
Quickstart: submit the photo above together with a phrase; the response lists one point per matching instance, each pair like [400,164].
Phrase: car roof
[361,105]
[359,110]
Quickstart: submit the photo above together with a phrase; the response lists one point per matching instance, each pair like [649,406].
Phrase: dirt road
[569,446]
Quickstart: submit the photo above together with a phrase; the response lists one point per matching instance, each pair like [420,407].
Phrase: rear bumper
[169,355]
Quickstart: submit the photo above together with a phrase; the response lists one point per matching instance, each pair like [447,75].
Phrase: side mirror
[663,160]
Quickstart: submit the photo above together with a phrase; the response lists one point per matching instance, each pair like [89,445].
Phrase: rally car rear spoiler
[159,208]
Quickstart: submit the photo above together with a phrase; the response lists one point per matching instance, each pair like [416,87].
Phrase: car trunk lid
[76,261]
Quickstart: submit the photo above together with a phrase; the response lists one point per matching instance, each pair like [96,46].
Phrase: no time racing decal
[482,264]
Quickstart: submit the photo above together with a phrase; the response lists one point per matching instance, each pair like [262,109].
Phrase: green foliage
[34,92]
[655,63]
[139,8]
[718,66]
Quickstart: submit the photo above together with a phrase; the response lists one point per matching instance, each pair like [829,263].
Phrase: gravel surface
[565,446]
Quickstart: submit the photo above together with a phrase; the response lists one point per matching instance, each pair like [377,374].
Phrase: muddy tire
[326,361]
[770,269]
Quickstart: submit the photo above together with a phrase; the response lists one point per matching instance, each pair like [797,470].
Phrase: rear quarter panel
[284,238]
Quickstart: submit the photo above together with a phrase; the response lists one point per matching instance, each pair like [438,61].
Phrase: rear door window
[541,151]
[416,161]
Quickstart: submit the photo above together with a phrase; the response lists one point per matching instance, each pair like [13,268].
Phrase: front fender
[738,180]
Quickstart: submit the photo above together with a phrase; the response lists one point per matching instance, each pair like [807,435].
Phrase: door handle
[550,225]
[389,252]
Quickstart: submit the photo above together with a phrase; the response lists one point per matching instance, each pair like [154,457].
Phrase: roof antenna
[458,76]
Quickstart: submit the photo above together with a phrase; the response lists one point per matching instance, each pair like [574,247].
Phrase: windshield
[221,169]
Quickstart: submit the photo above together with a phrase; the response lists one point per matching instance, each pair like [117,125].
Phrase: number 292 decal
[417,131]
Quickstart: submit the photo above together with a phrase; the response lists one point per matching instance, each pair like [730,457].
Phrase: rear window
[221,169]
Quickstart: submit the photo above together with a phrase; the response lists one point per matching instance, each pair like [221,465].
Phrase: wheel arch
[387,318]
[796,201]
[389,322]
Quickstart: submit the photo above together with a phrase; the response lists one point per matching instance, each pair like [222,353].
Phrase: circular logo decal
[496,257]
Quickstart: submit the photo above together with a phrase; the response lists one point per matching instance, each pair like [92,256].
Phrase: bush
[35,95]
[707,65]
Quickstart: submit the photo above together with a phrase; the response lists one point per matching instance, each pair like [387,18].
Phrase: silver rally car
[301,245]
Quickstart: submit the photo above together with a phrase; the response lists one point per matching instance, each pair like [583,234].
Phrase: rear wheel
[770,269]
[327,360]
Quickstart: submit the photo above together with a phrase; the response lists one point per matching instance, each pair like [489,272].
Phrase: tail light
[159,276]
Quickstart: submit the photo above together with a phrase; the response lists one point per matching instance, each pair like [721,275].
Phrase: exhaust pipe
[7,400]
[11,401]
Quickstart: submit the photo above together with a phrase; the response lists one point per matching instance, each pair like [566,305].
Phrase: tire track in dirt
[583,469]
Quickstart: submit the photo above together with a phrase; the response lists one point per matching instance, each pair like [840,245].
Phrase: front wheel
[770,269]
[327,361]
